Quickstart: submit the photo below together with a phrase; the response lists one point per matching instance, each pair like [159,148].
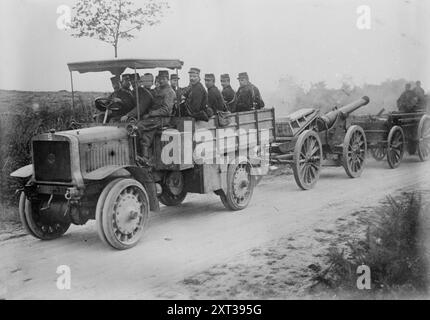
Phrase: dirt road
[200,233]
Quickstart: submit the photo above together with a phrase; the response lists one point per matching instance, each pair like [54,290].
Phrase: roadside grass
[393,249]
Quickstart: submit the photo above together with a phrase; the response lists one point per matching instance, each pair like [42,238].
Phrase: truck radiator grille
[100,155]
[52,161]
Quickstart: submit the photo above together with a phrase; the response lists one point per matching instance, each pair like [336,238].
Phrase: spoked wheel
[307,159]
[424,138]
[354,151]
[240,186]
[378,153]
[395,146]
[43,221]
[173,191]
[124,213]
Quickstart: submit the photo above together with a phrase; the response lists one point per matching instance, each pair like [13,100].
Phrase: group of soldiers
[412,100]
[156,100]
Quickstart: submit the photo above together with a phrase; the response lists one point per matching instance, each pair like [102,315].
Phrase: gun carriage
[390,135]
[307,140]
[95,173]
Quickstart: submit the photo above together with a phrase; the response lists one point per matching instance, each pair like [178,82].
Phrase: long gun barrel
[331,116]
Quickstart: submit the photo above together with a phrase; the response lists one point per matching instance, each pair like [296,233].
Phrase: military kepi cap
[114,79]
[209,76]
[174,76]
[126,76]
[163,74]
[225,76]
[194,70]
[243,75]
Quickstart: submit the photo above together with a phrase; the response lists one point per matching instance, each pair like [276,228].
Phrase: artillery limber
[390,135]
[307,140]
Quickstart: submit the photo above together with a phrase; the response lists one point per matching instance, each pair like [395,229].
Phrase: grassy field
[12,101]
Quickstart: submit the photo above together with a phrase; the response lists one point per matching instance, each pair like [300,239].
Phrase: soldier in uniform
[408,100]
[124,98]
[248,96]
[174,78]
[158,114]
[145,100]
[215,99]
[228,92]
[419,91]
[196,98]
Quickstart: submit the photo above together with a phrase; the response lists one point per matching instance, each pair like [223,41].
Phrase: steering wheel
[106,104]
[103,104]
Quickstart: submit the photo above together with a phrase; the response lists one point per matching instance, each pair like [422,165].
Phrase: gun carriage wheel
[354,151]
[378,153]
[240,186]
[40,217]
[173,191]
[307,159]
[122,213]
[424,138]
[395,146]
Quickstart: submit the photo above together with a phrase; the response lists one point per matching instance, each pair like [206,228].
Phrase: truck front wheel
[43,218]
[124,214]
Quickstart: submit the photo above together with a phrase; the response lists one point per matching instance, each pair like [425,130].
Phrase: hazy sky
[311,40]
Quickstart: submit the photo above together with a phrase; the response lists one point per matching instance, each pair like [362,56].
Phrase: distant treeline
[290,96]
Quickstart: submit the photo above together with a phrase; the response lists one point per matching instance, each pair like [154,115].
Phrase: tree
[112,20]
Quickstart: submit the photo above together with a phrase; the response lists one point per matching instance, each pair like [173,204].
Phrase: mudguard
[144,177]
[104,172]
[140,174]
[23,172]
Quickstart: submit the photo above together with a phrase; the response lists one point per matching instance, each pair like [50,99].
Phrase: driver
[145,100]
[123,99]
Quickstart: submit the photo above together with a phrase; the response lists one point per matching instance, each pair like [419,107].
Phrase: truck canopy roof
[118,66]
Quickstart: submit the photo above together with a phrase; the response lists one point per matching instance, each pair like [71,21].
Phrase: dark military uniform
[128,101]
[248,98]
[146,100]
[196,100]
[215,100]
[421,96]
[228,94]
[407,101]
[158,116]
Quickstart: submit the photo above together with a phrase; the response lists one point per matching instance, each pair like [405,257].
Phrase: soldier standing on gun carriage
[408,100]
[419,91]
[248,96]
[158,114]
[228,92]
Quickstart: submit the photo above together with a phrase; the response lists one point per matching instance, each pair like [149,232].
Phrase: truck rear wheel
[173,192]
[125,213]
[44,225]
[240,186]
